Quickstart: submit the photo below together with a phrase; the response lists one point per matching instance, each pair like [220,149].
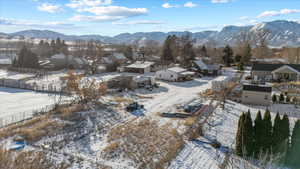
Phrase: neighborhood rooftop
[272,67]
[257,88]
[177,69]
[140,64]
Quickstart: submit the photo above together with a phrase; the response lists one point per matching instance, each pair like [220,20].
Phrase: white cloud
[141,22]
[276,13]
[86,18]
[51,8]
[116,11]
[35,24]
[167,5]
[220,1]
[190,5]
[87,3]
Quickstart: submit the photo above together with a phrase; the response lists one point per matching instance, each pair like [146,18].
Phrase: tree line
[262,139]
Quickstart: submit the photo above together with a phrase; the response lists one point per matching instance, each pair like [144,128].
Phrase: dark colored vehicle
[134,106]
[192,108]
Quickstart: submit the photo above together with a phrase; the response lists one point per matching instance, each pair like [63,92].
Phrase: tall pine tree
[248,135]
[285,127]
[277,136]
[167,54]
[267,132]
[258,134]
[228,55]
[239,136]
[294,150]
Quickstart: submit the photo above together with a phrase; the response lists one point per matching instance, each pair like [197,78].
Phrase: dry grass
[27,160]
[67,111]
[143,141]
[144,97]
[190,121]
[43,128]
[111,147]
[122,100]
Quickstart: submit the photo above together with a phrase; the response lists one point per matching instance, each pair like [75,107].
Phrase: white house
[174,74]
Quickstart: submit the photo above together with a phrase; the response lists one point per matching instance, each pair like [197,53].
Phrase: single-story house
[206,69]
[139,67]
[275,72]
[174,74]
[256,94]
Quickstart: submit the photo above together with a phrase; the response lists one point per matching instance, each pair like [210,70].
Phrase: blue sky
[111,17]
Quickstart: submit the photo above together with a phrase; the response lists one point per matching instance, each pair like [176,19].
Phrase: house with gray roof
[275,72]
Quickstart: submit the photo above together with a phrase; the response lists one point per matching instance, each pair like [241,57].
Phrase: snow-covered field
[17,103]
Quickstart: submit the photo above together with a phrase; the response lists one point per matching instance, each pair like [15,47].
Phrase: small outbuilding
[175,74]
[139,67]
[257,94]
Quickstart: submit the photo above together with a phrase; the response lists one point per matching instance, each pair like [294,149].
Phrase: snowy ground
[222,127]
[18,102]
[173,93]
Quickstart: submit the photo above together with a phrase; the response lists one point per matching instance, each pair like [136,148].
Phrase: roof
[187,73]
[257,88]
[200,64]
[272,67]
[140,65]
[177,69]
[205,66]
[119,55]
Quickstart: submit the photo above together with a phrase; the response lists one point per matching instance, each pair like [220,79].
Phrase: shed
[139,67]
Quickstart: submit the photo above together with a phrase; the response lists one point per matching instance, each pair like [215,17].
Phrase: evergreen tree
[248,135]
[267,132]
[294,150]
[287,99]
[247,54]
[274,98]
[277,136]
[188,53]
[285,127]
[228,55]
[238,58]
[240,66]
[167,54]
[239,136]
[27,59]
[203,51]
[258,134]
[281,98]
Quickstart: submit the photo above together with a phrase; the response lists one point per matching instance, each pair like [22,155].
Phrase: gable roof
[286,67]
[257,88]
[177,69]
[272,67]
[140,65]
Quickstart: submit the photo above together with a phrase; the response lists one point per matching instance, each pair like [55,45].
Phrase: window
[266,97]
[171,76]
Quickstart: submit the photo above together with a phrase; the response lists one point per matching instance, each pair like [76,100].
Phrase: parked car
[134,106]
[192,108]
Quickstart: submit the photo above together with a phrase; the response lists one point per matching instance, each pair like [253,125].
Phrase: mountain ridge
[282,33]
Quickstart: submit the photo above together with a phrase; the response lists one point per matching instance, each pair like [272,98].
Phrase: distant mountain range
[282,33]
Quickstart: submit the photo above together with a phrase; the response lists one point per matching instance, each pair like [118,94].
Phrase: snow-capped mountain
[281,33]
